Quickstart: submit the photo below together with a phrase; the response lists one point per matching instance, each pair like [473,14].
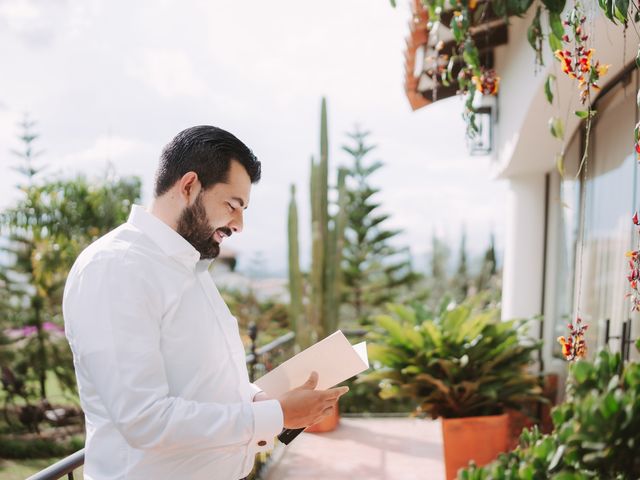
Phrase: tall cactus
[295,275]
[327,243]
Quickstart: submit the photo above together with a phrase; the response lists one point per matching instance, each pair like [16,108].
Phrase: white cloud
[106,148]
[168,71]
[39,22]
[145,70]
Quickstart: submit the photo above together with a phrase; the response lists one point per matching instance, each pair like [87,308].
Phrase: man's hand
[304,406]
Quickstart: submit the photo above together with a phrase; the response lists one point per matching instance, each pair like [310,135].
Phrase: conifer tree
[461,281]
[489,267]
[42,234]
[374,271]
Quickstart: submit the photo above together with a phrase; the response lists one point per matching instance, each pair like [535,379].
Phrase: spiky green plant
[327,243]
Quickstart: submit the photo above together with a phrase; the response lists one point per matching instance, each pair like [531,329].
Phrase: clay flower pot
[480,439]
[327,424]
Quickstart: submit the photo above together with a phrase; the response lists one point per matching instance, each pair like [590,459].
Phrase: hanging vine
[569,41]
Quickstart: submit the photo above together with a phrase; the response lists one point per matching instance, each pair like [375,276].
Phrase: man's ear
[189,187]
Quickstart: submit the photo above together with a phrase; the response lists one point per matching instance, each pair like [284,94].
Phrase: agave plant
[455,363]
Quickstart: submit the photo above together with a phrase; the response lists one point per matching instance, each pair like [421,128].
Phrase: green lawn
[21,469]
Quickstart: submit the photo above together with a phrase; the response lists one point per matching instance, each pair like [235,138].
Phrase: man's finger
[311,382]
[336,393]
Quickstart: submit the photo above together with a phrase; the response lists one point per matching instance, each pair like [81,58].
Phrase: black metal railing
[625,338]
[259,360]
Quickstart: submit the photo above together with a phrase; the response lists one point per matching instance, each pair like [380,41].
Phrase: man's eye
[231,207]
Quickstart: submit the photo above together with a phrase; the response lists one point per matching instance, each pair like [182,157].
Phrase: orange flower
[566,346]
[602,70]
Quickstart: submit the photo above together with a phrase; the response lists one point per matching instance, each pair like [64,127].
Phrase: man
[158,356]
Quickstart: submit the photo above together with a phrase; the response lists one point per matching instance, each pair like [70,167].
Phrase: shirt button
[262,443]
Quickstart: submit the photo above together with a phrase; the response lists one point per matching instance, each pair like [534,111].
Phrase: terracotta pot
[531,411]
[327,424]
[480,439]
[518,421]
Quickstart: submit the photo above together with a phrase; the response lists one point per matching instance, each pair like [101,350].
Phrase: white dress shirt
[159,361]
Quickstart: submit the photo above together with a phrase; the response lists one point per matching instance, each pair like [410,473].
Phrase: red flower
[636,221]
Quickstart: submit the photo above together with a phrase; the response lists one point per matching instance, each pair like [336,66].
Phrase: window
[596,275]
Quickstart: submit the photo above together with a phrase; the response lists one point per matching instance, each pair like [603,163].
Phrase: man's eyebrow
[240,201]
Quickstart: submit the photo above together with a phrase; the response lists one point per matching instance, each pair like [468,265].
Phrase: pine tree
[374,271]
[42,235]
[439,260]
[489,267]
[461,281]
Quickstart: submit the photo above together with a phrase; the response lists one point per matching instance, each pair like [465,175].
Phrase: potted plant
[596,434]
[462,365]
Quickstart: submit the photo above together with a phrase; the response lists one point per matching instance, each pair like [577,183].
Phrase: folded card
[334,358]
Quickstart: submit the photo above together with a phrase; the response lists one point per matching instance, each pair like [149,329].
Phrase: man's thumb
[311,382]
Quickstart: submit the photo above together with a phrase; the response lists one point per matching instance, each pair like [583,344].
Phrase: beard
[195,228]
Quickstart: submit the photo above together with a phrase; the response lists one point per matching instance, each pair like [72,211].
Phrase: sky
[111,82]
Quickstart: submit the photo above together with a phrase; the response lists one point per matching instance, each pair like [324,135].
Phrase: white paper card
[334,358]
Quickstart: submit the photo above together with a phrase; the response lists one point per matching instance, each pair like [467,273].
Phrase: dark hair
[207,151]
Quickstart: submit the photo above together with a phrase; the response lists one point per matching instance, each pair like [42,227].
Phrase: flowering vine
[574,345]
[576,60]
[634,272]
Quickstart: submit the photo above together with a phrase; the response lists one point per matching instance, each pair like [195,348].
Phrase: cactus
[295,275]
[327,243]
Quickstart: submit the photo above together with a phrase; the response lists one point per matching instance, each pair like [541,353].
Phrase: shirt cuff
[268,422]
[255,389]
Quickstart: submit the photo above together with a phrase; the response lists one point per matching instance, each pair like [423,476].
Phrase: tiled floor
[365,449]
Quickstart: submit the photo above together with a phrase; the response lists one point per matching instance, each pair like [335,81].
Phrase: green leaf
[471,55]
[556,459]
[609,406]
[621,10]
[556,127]
[414,338]
[518,7]
[554,6]
[393,3]
[554,42]
[638,62]
[499,7]
[581,370]
[392,326]
[585,113]
[548,85]
[555,22]
[534,30]
[607,8]
[560,164]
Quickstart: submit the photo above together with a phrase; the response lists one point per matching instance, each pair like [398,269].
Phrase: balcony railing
[259,361]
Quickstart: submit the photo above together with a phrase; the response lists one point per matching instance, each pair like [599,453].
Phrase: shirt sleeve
[113,318]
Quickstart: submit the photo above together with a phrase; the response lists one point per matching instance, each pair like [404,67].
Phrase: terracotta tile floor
[365,449]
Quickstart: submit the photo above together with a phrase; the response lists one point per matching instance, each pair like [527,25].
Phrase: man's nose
[237,223]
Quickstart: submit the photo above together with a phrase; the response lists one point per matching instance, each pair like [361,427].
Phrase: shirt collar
[169,241]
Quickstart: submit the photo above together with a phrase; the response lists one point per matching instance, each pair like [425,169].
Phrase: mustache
[226,230]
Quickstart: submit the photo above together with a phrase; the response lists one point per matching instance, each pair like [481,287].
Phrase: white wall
[523,142]
[525,152]
[523,265]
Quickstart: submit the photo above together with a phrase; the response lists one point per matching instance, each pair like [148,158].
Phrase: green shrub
[458,362]
[38,447]
[596,430]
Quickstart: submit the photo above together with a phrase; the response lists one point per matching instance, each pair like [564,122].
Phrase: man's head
[205,176]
